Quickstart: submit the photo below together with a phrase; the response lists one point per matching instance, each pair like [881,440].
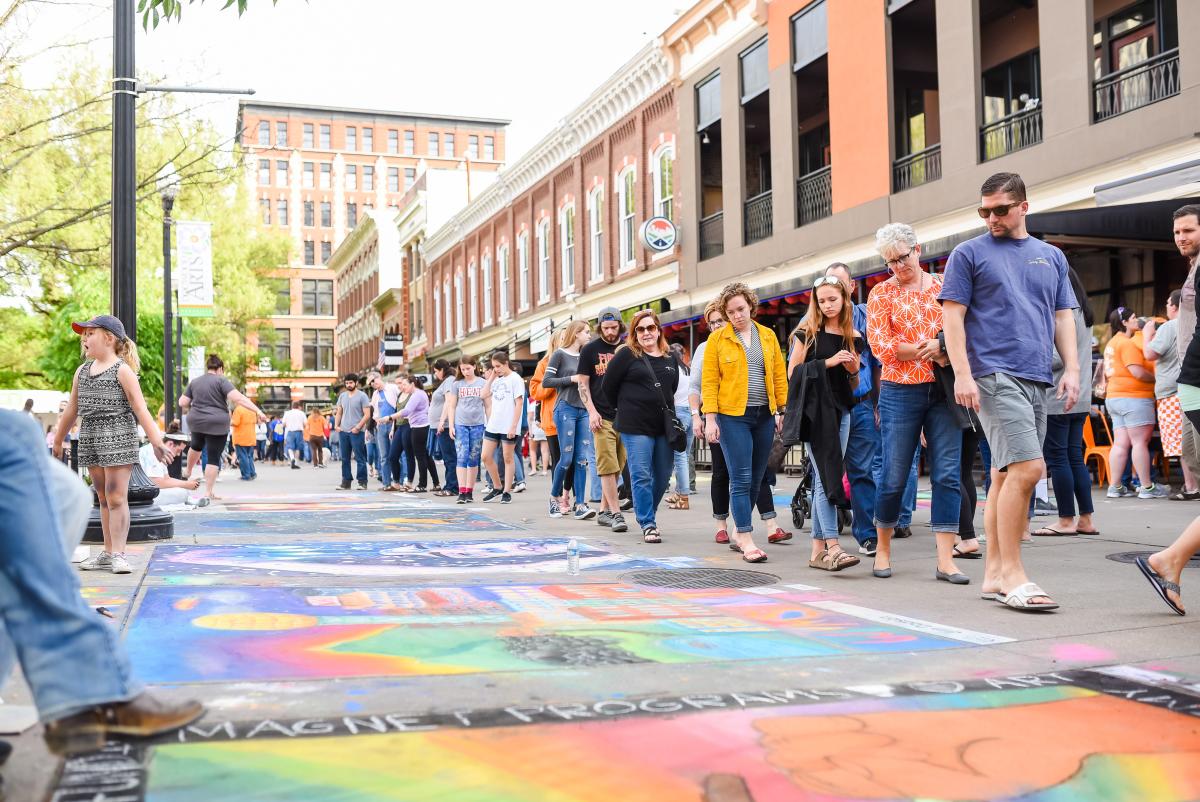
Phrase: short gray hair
[895,237]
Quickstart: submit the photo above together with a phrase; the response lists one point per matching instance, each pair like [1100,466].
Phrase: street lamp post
[168,188]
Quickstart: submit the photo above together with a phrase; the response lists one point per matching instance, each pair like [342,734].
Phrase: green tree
[155,11]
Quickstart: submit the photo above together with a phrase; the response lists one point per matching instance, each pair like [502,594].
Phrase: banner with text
[194,284]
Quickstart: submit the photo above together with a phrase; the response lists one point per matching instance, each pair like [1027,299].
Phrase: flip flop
[1161,586]
[1087,531]
[968,555]
[761,556]
[1050,531]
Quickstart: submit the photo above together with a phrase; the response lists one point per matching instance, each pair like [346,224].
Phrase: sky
[530,61]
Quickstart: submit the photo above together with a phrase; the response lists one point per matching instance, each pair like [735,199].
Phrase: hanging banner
[194,283]
[195,362]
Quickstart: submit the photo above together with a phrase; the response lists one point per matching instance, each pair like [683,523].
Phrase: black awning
[1144,222]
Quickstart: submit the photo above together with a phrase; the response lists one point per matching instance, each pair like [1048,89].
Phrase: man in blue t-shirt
[1006,304]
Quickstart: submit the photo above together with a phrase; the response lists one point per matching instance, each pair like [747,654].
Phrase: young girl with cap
[105,394]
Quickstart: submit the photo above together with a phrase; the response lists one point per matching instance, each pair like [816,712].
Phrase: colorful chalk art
[348,522]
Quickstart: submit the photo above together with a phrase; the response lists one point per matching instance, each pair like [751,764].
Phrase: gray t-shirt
[468,409]
[209,412]
[353,406]
[1166,369]
[1083,347]
[560,376]
[437,400]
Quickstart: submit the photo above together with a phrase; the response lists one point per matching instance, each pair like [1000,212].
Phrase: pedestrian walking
[1159,347]
[539,449]
[276,433]
[743,391]
[416,415]
[242,424]
[607,444]
[441,444]
[350,419]
[1129,399]
[294,423]
[506,393]
[466,416]
[314,429]
[260,440]
[546,398]
[682,460]
[1186,232]
[570,420]
[385,400]
[1001,282]
[639,384]
[205,402]
[106,395]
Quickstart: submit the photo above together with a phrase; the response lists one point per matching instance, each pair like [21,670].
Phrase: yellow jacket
[726,380]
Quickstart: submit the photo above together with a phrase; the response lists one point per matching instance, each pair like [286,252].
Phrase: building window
[596,233]
[264,208]
[308,135]
[326,214]
[326,175]
[448,146]
[473,294]
[351,215]
[410,175]
[432,150]
[281,212]
[408,143]
[351,138]
[281,173]
[281,134]
[368,140]
[522,270]
[317,297]
[310,253]
[326,142]
[351,176]
[309,214]
[282,351]
[368,177]
[437,314]
[326,251]
[309,176]
[543,246]
[393,141]
[264,172]
[473,146]
[393,179]
[458,305]
[487,289]
[318,349]
[627,206]
[283,295]
[446,323]
[489,148]
[264,134]
[566,238]
[664,183]
[502,267]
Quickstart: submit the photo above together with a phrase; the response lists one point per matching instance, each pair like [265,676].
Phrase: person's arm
[518,400]
[553,379]
[133,392]
[447,420]
[954,326]
[235,397]
[614,376]
[799,352]
[337,416]
[1064,340]
[366,417]
[585,394]
[67,419]
[778,378]
[185,401]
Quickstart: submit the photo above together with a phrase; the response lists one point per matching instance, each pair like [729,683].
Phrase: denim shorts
[1013,413]
[1127,413]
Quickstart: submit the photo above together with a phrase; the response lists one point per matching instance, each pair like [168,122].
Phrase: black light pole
[168,188]
[124,179]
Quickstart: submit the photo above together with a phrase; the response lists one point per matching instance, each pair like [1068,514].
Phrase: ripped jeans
[575,448]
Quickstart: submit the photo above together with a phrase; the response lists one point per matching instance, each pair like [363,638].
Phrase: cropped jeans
[746,444]
[824,514]
[904,411]
[683,459]
[1063,450]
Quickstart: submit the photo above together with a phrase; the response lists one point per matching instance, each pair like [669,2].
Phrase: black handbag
[672,426]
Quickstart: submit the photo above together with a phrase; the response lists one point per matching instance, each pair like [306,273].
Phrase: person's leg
[446,452]
[489,461]
[409,465]
[738,450]
[420,435]
[519,460]
[900,415]
[862,452]
[565,423]
[214,445]
[383,437]
[640,451]
[944,457]
[679,459]
[1058,466]
[116,491]
[97,476]
[1118,455]
[719,488]
[824,514]
[358,442]
[344,443]
[1081,484]
[663,461]
[762,436]
[509,450]
[909,502]
[1139,446]
[967,492]
[245,461]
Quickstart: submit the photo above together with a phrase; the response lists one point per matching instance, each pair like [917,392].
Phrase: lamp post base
[147,521]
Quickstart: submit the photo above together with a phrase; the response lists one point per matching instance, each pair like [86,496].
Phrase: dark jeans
[746,440]
[443,447]
[356,443]
[245,458]
[719,488]
[650,461]
[966,483]
[402,461]
[1063,451]
[905,410]
[862,451]
[419,438]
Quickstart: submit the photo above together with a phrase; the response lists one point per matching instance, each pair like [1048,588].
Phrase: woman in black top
[629,386]
[827,334]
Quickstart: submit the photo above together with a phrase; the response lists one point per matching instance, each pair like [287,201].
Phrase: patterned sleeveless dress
[108,430]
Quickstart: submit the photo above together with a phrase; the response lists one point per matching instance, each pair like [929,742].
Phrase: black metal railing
[712,235]
[1011,133]
[758,217]
[917,168]
[1148,82]
[814,196]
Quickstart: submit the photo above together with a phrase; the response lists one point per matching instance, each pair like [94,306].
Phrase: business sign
[392,349]
[658,234]
[539,335]
[193,275]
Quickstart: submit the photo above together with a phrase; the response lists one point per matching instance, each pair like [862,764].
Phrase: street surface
[357,646]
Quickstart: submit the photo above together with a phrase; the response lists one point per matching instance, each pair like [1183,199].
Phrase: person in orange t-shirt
[314,430]
[1129,399]
[244,440]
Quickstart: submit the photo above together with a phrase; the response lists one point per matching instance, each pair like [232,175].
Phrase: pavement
[364,646]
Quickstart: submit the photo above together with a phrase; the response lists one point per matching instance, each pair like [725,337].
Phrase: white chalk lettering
[791,696]
[263,726]
[195,729]
[621,707]
[461,715]
[568,712]
[312,727]
[659,706]
[403,724]
[520,715]
[703,700]
[937,687]
[745,699]
[372,723]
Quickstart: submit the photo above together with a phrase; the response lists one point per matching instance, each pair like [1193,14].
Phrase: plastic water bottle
[573,557]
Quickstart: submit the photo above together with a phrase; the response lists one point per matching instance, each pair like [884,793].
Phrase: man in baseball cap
[106,322]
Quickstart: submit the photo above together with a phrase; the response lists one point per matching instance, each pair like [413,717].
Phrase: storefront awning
[1142,222]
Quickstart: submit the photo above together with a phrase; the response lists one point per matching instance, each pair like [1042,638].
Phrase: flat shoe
[881,573]
[953,579]
[1019,598]
[722,536]
[1087,532]
[967,555]
[779,536]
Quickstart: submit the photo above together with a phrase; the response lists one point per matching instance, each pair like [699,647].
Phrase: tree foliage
[155,11]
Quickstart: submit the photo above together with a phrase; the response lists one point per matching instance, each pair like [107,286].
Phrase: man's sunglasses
[1000,211]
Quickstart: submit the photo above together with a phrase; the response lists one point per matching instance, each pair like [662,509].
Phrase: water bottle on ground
[573,557]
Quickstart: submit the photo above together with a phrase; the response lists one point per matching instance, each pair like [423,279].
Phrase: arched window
[627,209]
[473,295]
[543,246]
[664,182]
[566,238]
[487,289]
[505,281]
[523,269]
[596,234]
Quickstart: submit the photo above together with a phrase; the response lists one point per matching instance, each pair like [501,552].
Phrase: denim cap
[106,322]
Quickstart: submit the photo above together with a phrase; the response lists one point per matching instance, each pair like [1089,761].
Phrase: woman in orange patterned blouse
[903,321]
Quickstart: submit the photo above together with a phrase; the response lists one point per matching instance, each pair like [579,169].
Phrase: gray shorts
[1013,413]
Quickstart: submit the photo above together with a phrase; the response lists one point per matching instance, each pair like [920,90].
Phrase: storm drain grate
[1130,556]
[698,578]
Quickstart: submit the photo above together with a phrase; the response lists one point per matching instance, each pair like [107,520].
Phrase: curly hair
[732,291]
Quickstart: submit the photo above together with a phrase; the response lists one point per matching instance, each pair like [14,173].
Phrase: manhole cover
[697,578]
[1130,556]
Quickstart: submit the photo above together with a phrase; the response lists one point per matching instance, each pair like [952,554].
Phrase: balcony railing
[1140,85]
[758,217]
[712,235]
[1011,133]
[814,196]
[917,168]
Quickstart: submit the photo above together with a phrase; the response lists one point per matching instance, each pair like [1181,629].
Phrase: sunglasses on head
[1000,211]
[827,281]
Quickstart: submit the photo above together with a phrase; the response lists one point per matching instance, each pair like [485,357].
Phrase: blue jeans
[862,456]
[575,448]
[294,442]
[443,449]
[746,444]
[824,514]
[468,445]
[245,457]
[904,410]
[1063,450]
[649,460]
[910,492]
[356,444]
[683,473]
[44,622]
[383,436]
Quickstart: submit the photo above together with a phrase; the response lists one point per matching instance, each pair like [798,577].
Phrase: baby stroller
[802,498]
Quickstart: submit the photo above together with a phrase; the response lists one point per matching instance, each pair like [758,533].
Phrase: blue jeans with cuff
[862,455]
[746,444]
[904,411]
[649,460]
[824,514]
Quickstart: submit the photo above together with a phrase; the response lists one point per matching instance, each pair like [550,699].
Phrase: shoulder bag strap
[662,390]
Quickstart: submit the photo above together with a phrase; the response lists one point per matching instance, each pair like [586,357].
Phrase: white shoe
[101,560]
[120,565]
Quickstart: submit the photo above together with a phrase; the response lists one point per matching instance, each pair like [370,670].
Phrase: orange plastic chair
[1090,449]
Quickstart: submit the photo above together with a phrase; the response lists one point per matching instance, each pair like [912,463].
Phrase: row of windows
[320,136]
[309,178]
[317,345]
[309,219]
[316,296]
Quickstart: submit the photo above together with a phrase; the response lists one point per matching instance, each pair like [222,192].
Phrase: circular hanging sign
[658,234]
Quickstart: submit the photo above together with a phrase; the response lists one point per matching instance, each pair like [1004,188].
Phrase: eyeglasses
[1000,211]
[892,263]
[830,281]
[646,329]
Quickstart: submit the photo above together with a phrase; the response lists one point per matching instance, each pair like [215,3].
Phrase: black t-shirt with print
[630,388]
[593,362]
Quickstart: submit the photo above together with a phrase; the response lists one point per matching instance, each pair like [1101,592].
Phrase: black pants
[569,478]
[719,488]
[966,484]
[419,441]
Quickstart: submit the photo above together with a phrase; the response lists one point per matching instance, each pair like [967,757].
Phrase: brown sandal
[828,560]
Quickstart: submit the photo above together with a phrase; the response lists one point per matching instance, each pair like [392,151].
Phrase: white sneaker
[101,560]
[120,565]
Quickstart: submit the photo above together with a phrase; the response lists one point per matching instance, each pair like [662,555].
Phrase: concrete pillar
[783,148]
[687,191]
[1065,49]
[733,150]
[958,83]
[1189,44]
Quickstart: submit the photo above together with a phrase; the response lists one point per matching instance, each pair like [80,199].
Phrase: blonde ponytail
[127,350]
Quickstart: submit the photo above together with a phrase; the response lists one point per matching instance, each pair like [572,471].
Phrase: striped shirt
[756,395]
